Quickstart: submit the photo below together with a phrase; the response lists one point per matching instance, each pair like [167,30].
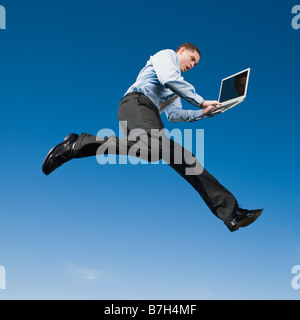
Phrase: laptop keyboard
[227,105]
[223,107]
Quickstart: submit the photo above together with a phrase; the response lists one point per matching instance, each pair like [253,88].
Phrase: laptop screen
[234,87]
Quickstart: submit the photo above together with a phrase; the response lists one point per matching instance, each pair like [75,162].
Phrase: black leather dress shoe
[60,154]
[243,217]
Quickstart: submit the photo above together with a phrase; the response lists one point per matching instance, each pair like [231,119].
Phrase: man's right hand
[208,106]
[207,111]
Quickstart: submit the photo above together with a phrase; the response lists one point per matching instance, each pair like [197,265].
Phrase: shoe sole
[51,152]
[246,222]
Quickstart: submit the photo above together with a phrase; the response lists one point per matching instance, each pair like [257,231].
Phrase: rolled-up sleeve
[166,66]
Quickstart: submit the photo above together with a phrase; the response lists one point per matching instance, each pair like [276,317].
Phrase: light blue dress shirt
[161,81]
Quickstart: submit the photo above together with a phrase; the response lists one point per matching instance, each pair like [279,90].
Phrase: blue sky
[140,231]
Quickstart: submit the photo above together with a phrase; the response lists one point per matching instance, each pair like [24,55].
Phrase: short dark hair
[189,46]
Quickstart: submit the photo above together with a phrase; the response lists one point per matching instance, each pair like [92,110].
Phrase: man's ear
[182,49]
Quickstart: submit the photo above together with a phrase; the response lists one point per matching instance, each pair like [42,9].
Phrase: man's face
[188,59]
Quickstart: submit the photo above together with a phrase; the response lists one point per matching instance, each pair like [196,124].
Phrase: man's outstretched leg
[86,145]
[219,200]
[60,154]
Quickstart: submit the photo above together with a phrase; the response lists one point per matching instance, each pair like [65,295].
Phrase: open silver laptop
[233,91]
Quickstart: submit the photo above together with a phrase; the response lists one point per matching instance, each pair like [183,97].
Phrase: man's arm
[175,113]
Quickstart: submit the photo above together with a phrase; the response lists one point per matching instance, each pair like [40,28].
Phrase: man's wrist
[201,105]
